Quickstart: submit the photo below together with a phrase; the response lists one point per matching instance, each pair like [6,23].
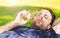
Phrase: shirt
[29,32]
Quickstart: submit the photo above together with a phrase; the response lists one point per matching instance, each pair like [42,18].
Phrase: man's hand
[56,26]
[18,21]
[19,18]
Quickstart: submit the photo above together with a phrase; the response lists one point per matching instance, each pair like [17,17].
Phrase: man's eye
[46,17]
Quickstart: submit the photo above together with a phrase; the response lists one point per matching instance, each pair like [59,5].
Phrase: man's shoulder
[20,31]
[22,28]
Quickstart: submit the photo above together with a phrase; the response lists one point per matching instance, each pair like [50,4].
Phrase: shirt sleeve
[19,32]
[8,34]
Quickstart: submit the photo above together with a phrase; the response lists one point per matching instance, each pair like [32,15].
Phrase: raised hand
[20,17]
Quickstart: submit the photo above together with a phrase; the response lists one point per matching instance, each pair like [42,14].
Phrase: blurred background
[9,8]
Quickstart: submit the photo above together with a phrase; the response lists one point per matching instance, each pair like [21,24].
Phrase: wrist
[15,23]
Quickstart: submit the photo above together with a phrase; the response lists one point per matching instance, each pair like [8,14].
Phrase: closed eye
[45,16]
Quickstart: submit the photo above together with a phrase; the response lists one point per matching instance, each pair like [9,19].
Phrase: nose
[39,17]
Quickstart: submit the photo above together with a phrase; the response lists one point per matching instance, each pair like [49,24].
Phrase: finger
[25,22]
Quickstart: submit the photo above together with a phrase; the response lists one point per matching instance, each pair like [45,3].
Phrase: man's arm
[17,21]
[56,26]
[8,26]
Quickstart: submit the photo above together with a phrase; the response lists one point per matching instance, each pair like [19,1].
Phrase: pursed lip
[38,20]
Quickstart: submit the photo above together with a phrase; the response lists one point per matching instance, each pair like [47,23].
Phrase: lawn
[8,14]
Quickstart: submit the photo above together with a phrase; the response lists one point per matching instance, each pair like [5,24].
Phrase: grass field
[8,14]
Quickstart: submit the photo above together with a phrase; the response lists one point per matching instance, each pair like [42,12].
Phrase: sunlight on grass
[37,3]
[9,2]
[6,17]
[0,21]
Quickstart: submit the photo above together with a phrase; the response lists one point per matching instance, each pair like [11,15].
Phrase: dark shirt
[29,32]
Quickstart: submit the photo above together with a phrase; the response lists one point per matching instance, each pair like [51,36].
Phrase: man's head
[44,18]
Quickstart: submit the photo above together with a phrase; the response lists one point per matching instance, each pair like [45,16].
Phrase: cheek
[36,17]
[46,21]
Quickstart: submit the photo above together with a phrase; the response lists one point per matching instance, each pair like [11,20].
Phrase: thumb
[25,21]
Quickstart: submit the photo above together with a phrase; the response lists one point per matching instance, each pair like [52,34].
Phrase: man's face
[43,18]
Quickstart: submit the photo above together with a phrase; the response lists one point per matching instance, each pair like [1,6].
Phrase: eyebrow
[40,13]
[45,15]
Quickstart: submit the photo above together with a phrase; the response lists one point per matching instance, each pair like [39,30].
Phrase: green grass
[8,14]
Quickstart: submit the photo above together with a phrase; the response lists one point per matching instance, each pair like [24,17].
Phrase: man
[41,26]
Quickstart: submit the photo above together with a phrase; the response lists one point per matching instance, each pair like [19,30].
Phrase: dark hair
[52,13]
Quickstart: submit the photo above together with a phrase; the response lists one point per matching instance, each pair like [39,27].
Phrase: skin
[56,26]
[42,20]
[18,21]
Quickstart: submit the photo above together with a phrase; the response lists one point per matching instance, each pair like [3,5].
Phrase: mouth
[39,22]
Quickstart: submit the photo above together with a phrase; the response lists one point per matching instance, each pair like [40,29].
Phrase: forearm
[17,21]
[8,27]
